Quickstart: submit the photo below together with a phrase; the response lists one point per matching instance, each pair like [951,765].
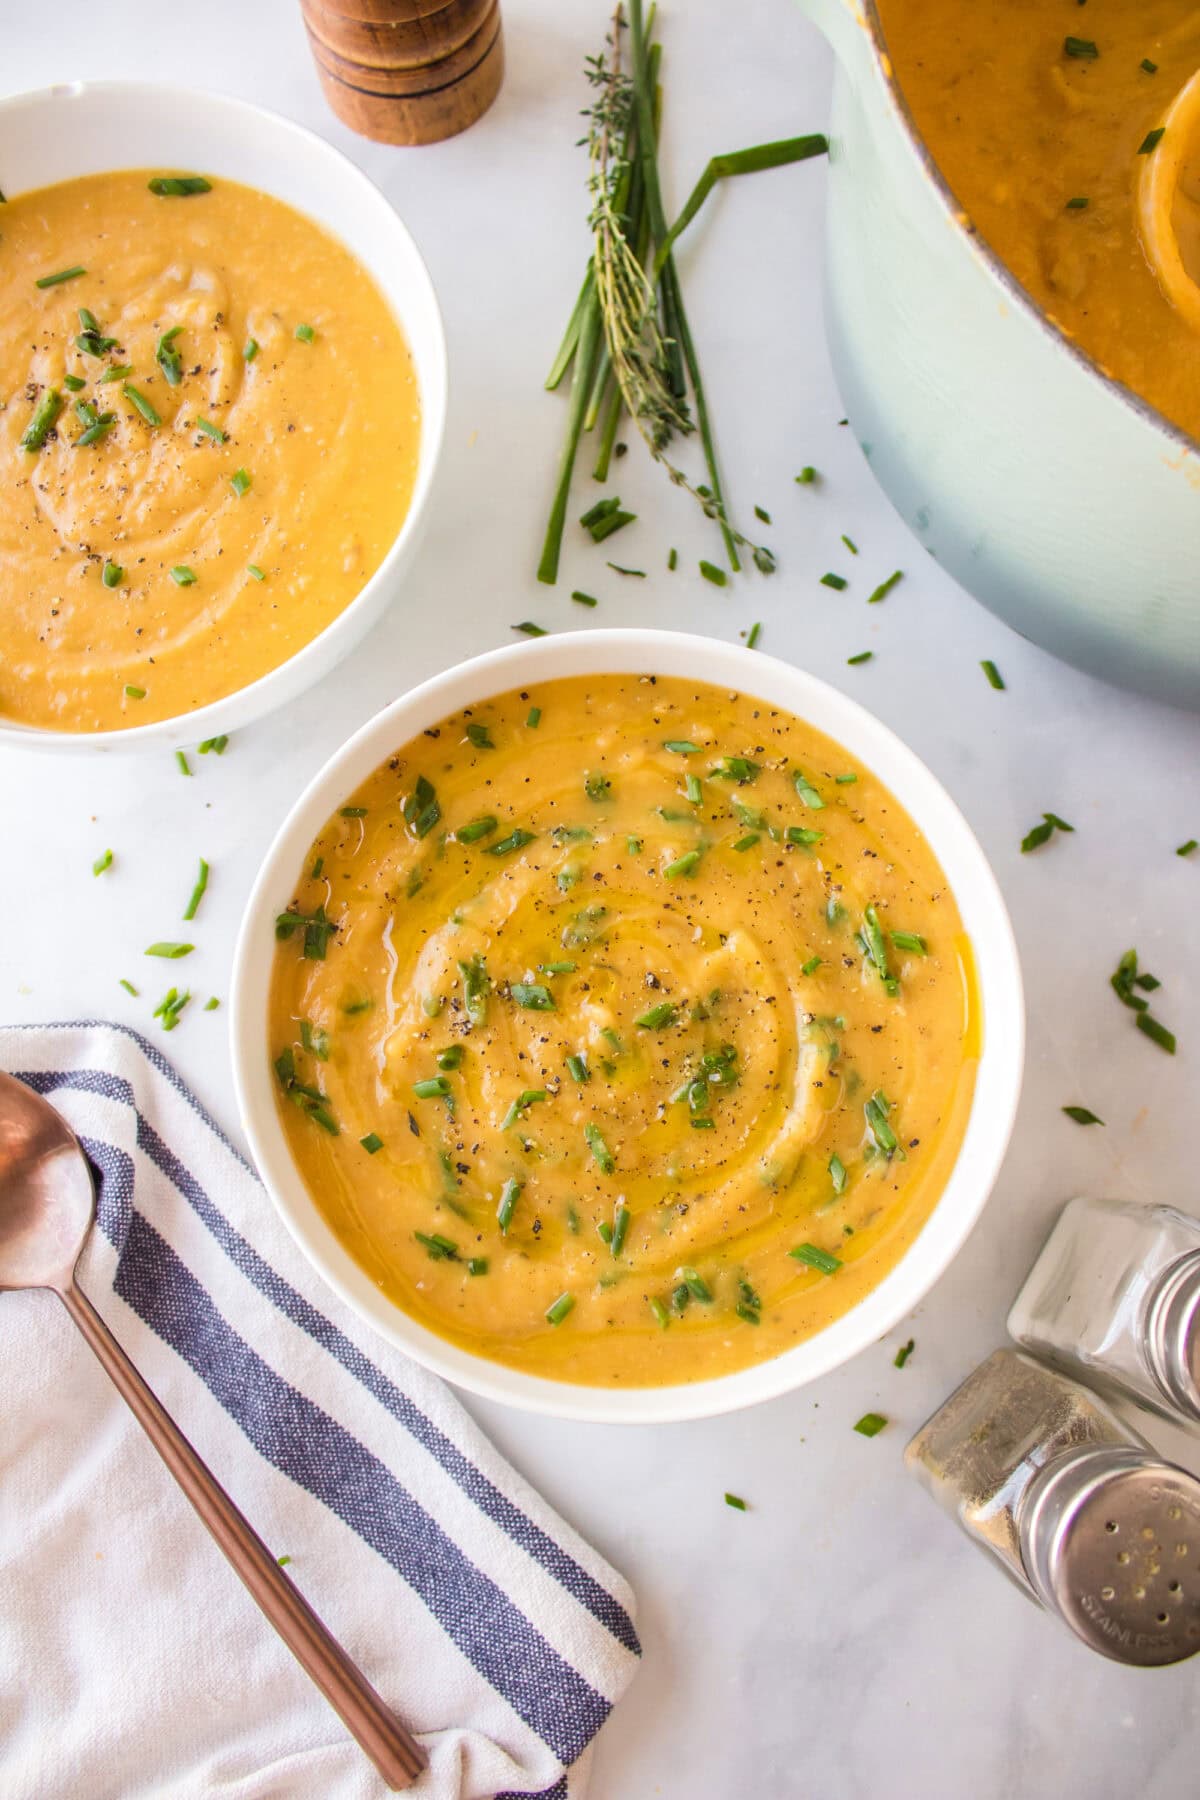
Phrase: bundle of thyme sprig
[628,342]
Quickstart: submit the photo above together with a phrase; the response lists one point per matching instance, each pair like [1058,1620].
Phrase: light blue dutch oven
[1059,499]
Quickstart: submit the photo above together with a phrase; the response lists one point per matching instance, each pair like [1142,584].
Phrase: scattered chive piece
[911,941]
[212,1003]
[556,1313]
[112,574]
[138,400]
[578,1070]
[811,966]
[136,693]
[128,986]
[885,587]
[437,1247]
[42,423]
[213,431]
[845,780]
[250,351]
[532,995]
[305,333]
[76,383]
[479,735]
[184,766]
[807,475]
[477,1265]
[168,358]
[672,559]
[604,1159]
[1151,140]
[1040,834]
[806,791]
[1151,68]
[451,1057]
[829,579]
[850,544]
[198,891]
[661,1316]
[695,1284]
[218,744]
[748,842]
[1158,1034]
[510,1193]
[838,1176]
[371,1143]
[102,862]
[871,1424]
[803,834]
[753,635]
[521,1105]
[239,481]
[352,812]
[583,599]
[99,426]
[171,951]
[735,1500]
[617,569]
[1082,1115]
[712,573]
[816,1258]
[470,834]
[530,629]
[117,373]
[179,187]
[535,718]
[693,790]
[169,1009]
[903,1353]
[1083,49]
[1077,203]
[761,513]
[681,746]
[49,281]
[993,674]
[317,931]
[436,1087]
[253,569]
[684,865]
[659,1017]
[1186,849]
[863,656]
[620,1227]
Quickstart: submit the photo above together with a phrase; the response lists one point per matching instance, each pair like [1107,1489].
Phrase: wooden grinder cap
[407,71]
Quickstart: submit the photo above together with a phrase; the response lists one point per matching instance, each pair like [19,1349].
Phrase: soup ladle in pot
[47,1205]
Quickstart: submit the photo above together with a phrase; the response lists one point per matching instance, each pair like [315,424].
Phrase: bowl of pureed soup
[223,380]
[627,1025]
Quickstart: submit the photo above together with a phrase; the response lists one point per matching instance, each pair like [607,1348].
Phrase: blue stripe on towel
[497,1506]
[301,1440]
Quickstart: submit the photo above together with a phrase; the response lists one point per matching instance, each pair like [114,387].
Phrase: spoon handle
[394,1752]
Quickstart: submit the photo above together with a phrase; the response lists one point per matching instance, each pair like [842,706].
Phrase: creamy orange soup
[624,1029]
[208,442]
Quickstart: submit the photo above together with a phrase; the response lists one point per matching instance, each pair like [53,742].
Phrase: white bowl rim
[305,667]
[704,659]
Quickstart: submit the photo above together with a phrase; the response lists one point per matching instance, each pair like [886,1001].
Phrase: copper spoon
[47,1204]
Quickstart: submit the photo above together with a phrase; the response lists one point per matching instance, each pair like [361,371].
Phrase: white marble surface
[839,1638]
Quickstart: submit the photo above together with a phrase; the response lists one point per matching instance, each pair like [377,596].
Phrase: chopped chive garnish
[618,569]
[660,1314]
[371,1143]
[748,842]
[910,941]
[871,1424]
[556,1313]
[1083,49]
[168,357]
[1186,849]
[659,1017]
[850,544]
[198,891]
[530,629]
[695,1284]
[686,864]
[317,931]
[169,1009]
[694,790]
[213,431]
[43,420]
[807,791]
[170,950]
[620,1228]
[128,986]
[1077,203]
[864,656]
[516,840]
[681,746]
[184,765]
[139,401]
[612,521]
[102,862]
[239,481]
[510,1193]
[435,1087]
[712,573]
[876,1112]
[135,693]
[1082,1115]
[597,787]
[478,828]
[735,1500]
[837,1173]
[118,372]
[479,735]
[557,968]
[903,1353]
[703,1125]
[830,580]
[421,809]
[807,475]
[477,1265]
[1158,1034]
[753,635]
[885,587]
[253,569]
[672,559]
[76,383]
[1151,68]
[1040,834]
[845,780]
[251,350]
[815,1258]
[49,281]
[98,426]
[534,718]
[305,333]
[112,574]
[803,834]
[604,1159]
[179,187]
[583,599]
[521,1105]
[1151,140]
[437,1247]
[993,674]
[578,1070]
[352,812]
[215,743]
[451,1057]
[533,996]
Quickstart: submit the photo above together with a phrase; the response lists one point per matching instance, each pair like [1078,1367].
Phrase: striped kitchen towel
[132,1662]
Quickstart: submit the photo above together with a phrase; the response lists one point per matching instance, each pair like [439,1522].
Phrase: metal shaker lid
[1173,1332]
[1111,1542]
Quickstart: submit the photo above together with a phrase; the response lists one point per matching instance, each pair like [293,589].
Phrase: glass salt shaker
[1114,1298]
[1074,1506]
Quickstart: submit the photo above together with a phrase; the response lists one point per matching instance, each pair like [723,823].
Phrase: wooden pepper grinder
[407,71]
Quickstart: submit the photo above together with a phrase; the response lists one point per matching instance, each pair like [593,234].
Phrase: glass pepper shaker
[1074,1506]
[1114,1297]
